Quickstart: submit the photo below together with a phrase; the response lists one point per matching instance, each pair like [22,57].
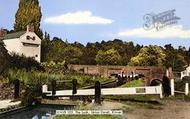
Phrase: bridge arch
[155,82]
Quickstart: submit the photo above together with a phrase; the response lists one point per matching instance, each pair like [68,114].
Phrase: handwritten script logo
[161,20]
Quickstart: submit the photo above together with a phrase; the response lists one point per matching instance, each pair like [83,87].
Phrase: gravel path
[170,110]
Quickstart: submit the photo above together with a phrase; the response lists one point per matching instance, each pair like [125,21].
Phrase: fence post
[132,78]
[53,84]
[161,92]
[186,88]
[97,92]
[74,82]
[44,88]
[119,80]
[16,89]
[172,87]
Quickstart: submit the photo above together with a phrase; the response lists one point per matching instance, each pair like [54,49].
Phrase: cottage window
[28,37]
[30,44]
[34,38]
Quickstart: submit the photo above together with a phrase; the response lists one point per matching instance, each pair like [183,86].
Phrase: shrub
[52,67]
[33,80]
[22,62]
[4,58]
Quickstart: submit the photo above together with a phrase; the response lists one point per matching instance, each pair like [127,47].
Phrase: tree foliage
[59,51]
[128,54]
[109,57]
[72,55]
[176,58]
[22,62]
[28,13]
[4,58]
[149,56]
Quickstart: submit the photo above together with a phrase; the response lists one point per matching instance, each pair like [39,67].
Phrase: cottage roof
[14,35]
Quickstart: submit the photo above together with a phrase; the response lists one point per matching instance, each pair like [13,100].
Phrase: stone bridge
[150,73]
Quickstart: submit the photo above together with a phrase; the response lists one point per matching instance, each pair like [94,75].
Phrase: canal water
[38,112]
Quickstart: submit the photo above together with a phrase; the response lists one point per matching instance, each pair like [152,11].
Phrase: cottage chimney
[2,33]
[30,28]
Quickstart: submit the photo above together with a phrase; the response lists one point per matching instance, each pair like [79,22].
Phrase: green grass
[134,98]
[134,83]
[43,77]
[33,80]
[88,117]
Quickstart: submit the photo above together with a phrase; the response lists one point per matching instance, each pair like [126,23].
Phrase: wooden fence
[98,91]
[173,91]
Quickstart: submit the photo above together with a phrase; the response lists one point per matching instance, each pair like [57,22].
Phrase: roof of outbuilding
[14,35]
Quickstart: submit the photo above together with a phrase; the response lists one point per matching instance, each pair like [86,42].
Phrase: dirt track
[170,110]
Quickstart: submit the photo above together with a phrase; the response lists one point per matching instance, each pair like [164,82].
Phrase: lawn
[88,117]
[134,83]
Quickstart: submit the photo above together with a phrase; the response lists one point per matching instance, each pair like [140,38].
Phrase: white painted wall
[109,91]
[185,72]
[31,34]
[12,45]
[16,45]
[31,51]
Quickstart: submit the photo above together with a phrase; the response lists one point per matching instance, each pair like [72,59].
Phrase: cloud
[168,32]
[79,17]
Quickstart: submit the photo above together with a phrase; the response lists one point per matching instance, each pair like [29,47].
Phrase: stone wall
[150,72]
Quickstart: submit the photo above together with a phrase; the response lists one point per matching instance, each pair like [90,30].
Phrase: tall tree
[149,56]
[176,58]
[4,58]
[72,55]
[109,57]
[28,13]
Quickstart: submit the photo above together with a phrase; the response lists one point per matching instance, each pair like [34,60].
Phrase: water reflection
[40,112]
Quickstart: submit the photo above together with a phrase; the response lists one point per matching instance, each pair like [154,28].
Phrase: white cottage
[23,42]
[186,72]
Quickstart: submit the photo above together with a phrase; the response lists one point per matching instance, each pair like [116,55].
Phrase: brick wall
[150,72]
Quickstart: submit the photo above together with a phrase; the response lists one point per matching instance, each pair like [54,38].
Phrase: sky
[96,20]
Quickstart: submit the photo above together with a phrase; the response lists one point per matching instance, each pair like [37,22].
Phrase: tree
[54,50]
[125,49]
[175,58]
[4,58]
[72,55]
[179,62]
[149,56]
[46,36]
[28,13]
[188,56]
[170,55]
[109,57]
[45,47]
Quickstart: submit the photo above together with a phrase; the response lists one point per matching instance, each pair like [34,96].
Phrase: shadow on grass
[151,99]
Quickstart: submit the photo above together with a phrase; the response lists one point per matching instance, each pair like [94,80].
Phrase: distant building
[186,72]
[23,43]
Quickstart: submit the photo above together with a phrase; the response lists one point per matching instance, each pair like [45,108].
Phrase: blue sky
[96,20]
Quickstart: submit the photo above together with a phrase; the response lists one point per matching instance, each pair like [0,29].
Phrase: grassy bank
[31,81]
[27,77]
[134,83]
